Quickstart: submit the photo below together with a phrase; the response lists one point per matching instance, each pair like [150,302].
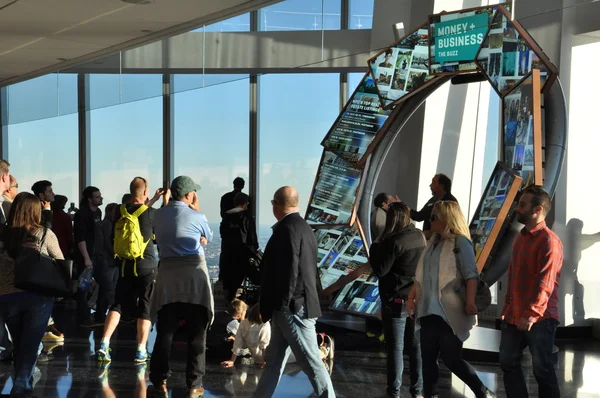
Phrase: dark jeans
[399,332]
[196,324]
[26,316]
[438,340]
[540,340]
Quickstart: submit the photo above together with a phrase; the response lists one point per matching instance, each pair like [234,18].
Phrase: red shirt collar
[534,231]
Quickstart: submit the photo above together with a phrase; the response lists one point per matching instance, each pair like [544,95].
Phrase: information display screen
[354,133]
[341,250]
[508,54]
[333,199]
[495,204]
[455,38]
[402,69]
[522,139]
[360,296]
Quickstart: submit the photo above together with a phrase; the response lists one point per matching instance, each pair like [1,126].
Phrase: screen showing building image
[522,134]
[333,198]
[358,124]
[402,69]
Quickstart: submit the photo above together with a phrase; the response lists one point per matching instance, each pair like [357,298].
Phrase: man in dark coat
[289,299]
[239,243]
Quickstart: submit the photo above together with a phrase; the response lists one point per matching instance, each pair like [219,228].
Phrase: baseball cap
[183,185]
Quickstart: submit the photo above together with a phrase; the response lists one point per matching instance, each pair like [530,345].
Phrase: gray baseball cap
[183,185]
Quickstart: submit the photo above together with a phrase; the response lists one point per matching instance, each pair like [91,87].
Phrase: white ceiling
[43,36]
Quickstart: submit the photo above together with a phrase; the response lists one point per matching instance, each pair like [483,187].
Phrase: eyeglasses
[273,202]
[15,186]
[433,217]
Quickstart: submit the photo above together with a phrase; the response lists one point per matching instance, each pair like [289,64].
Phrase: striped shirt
[533,274]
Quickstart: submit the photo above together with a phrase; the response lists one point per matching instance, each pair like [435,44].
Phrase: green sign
[459,39]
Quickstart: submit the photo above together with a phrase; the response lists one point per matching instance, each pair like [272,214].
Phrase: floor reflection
[358,371]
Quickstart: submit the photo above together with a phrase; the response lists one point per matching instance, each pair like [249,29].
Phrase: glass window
[361,14]
[492,139]
[295,113]
[240,23]
[114,89]
[44,97]
[126,142]
[212,127]
[354,80]
[301,15]
[46,150]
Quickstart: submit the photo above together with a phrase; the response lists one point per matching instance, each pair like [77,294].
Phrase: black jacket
[227,201]
[290,269]
[425,213]
[239,243]
[394,260]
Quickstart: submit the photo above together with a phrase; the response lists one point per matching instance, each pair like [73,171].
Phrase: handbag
[483,296]
[39,273]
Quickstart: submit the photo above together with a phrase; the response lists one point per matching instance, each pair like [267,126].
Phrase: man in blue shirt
[182,290]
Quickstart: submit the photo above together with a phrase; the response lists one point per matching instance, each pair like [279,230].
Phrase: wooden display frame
[510,192]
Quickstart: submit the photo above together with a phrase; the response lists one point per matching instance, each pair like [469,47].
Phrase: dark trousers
[196,324]
[540,340]
[438,340]
[399,332]
[26,316]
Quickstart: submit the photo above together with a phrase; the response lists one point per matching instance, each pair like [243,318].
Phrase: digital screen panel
[508,54]
[334,195]
[455,38]
[341,250]
[495,204]
[522,139]
[354,133]
[359,297]
[402,69]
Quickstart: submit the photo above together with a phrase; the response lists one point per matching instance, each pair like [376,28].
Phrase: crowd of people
[148,266]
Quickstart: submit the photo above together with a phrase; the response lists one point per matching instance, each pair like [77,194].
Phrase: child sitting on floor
[253,335]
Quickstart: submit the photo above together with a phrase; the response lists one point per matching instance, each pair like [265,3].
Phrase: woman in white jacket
[443,315]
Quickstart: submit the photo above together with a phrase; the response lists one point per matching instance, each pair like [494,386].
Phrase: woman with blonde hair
[444,317]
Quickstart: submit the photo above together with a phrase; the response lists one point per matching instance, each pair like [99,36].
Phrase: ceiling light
[138,2]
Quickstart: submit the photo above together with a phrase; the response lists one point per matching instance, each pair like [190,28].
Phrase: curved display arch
[398,82]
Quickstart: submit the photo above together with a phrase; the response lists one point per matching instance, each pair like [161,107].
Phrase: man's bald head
[286,197]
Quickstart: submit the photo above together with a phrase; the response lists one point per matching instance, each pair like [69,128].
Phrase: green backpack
[129,242]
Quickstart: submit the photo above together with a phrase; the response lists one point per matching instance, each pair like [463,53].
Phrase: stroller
[251,284]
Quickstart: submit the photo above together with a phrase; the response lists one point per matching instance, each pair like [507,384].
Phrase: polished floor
[358,370]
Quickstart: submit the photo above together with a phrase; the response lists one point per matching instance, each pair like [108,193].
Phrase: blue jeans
[399,332]
[298,333]
[540,340]
[26,315]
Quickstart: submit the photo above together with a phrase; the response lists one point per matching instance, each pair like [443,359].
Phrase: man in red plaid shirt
[530,314]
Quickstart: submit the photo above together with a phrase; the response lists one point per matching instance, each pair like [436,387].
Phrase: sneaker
[53,329]
[141,357]
[103,353]
[159,391]
[50,337]
[196,392]
[49,347]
